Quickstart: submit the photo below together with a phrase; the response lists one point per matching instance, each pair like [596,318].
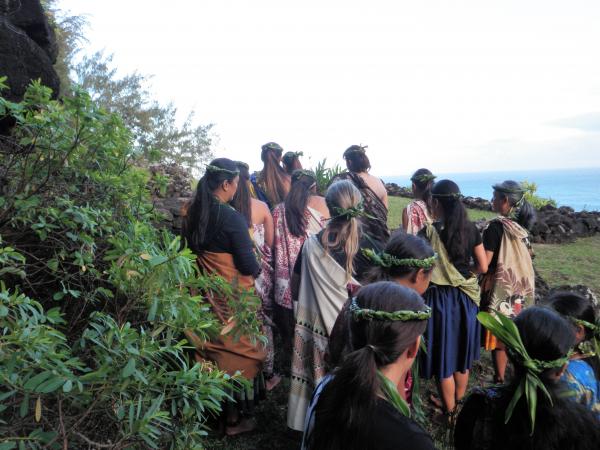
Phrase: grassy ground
[575,263]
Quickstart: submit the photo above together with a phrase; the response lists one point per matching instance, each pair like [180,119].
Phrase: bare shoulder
[317,202]
[260,210]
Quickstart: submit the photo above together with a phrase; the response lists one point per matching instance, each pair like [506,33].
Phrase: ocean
[577,188]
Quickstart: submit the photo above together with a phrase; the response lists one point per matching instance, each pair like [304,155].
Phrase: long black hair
[303,183]
[402,246]
[423,181]
[455,220]
[242,200]
[525,213]
[195,230]
[576,306]
[561,424]
[547,336]
[273,175]
[344,412]
[356,159]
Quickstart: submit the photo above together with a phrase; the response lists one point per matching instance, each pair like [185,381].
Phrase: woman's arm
[242,247]
[481,259]
[269,226]
[404,219]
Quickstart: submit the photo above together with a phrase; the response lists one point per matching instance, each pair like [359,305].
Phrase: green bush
[536,201]
[94,299]
[325,175]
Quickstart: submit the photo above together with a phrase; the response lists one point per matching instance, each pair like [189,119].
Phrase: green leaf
[50,385]
[67,386]
[391,393]
[36,380]
[159,259]
[24,408]
[53,265]
[128,369]
[517,395]
[7,445]
[3,311]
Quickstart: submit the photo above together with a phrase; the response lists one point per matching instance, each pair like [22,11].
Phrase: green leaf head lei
[384,259]
[350,213]
[587,348]
[216,169]
[423,178]
[388,388]
[507,332]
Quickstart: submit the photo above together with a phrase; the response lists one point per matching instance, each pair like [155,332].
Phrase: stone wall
[170,202]
[554,225]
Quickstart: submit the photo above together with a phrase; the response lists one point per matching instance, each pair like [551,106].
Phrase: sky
[457,86]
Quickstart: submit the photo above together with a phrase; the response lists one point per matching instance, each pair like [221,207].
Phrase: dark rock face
[171,196]
[27,47]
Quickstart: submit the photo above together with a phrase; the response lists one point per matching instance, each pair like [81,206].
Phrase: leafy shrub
[94,301]
[325,175]
[536,201]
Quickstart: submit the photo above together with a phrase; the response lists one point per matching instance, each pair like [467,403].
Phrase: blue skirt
[453,332]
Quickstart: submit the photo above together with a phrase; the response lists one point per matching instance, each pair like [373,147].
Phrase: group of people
[353,304]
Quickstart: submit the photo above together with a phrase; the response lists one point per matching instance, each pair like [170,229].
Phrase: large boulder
[27,47]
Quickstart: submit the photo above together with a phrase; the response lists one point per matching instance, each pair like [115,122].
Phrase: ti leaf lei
[506,331]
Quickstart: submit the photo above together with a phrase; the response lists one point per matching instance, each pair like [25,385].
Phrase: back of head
[423,182]
[401,246]
[303,185]
[343,415]
[291,161]
[546,335]
[524,212]
[548,338]
[580,312]
[356,159]
[273,175]
[344,202]
[454,217]
[242,201]
[195,230]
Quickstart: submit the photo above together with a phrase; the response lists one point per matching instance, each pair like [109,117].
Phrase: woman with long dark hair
[509,283]
[326,265]
[303,213]
[358,406]
[453,333]
[291,162]
[260,223]
[219,237]
[417,213]
[372,189]
[272,183]
[533,412]
[582,376]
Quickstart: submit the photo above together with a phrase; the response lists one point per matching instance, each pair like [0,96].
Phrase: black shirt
[361,263]
[393,431]
[463,265]
[227,232]
[492,238]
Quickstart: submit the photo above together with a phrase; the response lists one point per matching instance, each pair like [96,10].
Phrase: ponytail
[455,219]
[273,176]
[345,409]
[242,201]
[526,215]
[345,227]
[303,182]
[195,230]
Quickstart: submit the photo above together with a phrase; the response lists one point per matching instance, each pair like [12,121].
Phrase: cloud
[589,122]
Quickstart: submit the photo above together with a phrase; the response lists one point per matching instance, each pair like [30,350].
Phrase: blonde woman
[327,264]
